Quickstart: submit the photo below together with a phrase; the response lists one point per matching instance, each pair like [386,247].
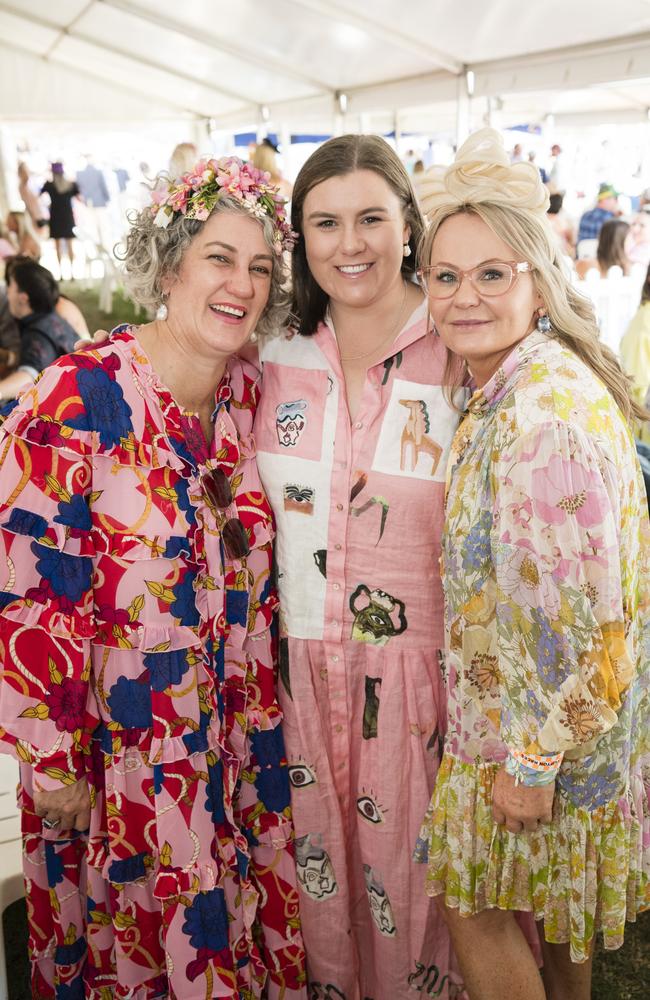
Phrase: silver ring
[51,824]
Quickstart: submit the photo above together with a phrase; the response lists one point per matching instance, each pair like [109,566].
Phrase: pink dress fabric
[359,517]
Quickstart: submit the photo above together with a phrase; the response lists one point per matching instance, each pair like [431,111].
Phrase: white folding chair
[11,854]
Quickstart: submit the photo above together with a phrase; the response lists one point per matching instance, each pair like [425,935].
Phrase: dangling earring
[162,312]
[253,337]
[406,250]
[543,322]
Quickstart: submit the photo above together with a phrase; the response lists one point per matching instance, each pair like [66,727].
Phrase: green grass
[123,310]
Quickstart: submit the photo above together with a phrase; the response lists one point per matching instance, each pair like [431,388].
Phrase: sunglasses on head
[218,493]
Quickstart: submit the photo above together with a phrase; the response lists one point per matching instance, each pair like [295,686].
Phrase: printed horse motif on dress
[415,439]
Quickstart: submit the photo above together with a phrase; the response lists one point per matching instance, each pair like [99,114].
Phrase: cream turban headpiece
[482,172]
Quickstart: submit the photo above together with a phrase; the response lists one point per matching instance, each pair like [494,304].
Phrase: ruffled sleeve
[565,651]
[47,710]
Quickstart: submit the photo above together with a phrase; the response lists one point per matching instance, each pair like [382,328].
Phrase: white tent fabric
[291,60]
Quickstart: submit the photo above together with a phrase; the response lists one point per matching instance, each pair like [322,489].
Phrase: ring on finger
[51,824]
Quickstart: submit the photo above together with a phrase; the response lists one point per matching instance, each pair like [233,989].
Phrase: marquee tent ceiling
[289,60]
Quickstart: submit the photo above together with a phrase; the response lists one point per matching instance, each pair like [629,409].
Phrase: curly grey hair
[152,253]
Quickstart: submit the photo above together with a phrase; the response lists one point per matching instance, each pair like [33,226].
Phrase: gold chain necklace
[377,347]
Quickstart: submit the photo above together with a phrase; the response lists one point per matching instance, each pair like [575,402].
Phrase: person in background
[606,209]
[184,156]
[542,799]
[137,657]
[562,224]
[637,241]
[61,192]
[44,335]
[23,235]
[65,307]
[265,157]
[610,251]
[30,198]
[556,178]
[635,355]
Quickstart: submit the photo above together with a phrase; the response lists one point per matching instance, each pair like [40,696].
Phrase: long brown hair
[336,157]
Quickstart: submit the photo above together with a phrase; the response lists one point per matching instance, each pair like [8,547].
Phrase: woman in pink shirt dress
[352,436]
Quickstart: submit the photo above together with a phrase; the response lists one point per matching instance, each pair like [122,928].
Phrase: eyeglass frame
[210,475]
[517,267]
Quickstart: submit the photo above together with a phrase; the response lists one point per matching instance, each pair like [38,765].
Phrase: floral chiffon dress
[546,572]
[137,654]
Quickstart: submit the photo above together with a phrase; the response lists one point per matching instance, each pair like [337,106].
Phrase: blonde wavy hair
[511,199]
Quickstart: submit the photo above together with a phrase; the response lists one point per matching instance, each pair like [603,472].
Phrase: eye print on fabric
[368,808]
[377,616]
[298,498]
[371,708]
[415,440]
[290,422]
[314,868]
[380,908]
[301,775]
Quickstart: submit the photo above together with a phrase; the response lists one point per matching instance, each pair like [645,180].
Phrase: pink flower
[568,489]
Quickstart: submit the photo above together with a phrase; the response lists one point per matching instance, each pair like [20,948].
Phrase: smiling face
[481,329]
[223,284]
[354,233]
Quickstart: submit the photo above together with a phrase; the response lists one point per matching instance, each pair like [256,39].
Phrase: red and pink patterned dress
[135,653]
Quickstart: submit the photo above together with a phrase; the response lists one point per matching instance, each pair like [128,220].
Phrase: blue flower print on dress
[129,702]
[214,791]
[68,576]
[166,669]
[182,488]
[176,545]
[71,991]
[476,551]
[206,921]
[268,747]
[75,514]
[594,790]
[68,954]
[105,409]
[549,650]
[272,786]
[128,869]
[184,606]
[25,522]
[53,865]
[237,607]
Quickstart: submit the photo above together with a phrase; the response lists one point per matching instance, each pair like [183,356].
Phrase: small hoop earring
[406,250]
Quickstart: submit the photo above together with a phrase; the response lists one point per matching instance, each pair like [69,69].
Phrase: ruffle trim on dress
[583,873]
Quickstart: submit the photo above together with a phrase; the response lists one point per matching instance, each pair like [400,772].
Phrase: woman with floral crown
[137,684]
[541,800]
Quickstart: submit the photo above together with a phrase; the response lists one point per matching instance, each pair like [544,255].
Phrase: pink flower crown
[196,193]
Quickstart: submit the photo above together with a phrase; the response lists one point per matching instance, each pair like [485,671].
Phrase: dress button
[335,658]
[338,729]
[338,547]
[339,506]
[323,673]
[336,586]
[358,425]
